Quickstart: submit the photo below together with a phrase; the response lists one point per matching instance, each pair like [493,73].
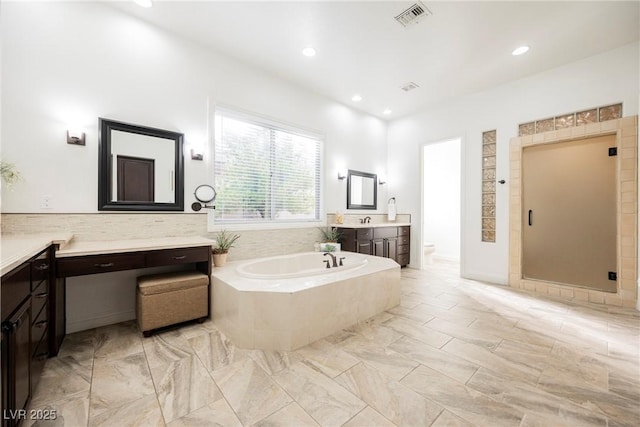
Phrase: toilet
[429,249]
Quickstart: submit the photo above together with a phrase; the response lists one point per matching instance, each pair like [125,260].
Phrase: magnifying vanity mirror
[204,194]
[140,168]
[362,190]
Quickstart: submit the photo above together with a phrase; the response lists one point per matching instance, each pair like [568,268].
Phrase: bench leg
[147,334]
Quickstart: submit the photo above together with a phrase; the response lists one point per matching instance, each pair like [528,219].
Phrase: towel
[391,212]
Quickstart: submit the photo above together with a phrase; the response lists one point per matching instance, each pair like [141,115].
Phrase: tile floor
[455,352]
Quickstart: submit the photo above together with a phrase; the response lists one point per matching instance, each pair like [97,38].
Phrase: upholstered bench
[169,298]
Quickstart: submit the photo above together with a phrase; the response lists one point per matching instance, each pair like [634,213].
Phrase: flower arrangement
[9,173]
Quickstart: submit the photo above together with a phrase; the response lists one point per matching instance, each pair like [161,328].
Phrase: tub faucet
[333,259]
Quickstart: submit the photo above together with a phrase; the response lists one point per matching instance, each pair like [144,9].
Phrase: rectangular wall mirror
[362,190]
[140,168]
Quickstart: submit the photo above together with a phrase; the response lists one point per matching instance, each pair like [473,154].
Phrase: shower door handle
[530,217]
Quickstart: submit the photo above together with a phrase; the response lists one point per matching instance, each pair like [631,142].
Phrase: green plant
[224,242]
[9,173]
[330,235]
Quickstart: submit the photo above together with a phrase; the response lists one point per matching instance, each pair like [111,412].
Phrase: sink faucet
[333,258]
[367,219]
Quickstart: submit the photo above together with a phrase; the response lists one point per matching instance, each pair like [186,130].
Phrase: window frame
[274,125]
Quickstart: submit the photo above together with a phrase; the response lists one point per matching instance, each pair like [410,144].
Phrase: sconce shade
[75,137]
[195,155]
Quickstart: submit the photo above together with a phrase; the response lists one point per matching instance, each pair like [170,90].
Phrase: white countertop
[372,225]
[18,248]
[99,247]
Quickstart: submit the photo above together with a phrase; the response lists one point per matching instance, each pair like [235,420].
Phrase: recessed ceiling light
[387,111]
[520,50]
[309,51]
[356,98]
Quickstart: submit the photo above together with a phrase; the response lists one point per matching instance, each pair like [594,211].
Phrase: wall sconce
[382,180]
[195,155]
[342,175]
[75,137]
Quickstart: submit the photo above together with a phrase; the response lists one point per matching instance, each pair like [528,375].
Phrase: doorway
[135,179]
[441,207]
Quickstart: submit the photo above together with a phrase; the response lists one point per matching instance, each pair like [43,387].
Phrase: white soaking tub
[286,302]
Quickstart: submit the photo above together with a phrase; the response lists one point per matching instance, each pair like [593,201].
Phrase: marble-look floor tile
[479,338]
[419,332]
[443,362]
[63,378]
[119,340]
[216,414]
[70,413]
[250,391]
[463,401]
[273,361]
[449,419]
[144,412]
[493,361]
[118,381]
[326,358]
[368,417]
[318,395]
[391,363]
[290,415]
[216,350]
[393,400]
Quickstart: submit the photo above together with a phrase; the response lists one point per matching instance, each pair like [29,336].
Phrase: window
[264,172]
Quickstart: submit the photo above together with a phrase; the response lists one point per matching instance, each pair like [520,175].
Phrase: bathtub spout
[333,258]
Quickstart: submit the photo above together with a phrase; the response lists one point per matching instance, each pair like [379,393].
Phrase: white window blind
[264,172]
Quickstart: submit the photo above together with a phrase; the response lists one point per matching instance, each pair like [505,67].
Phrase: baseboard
[497,280]
[96,322]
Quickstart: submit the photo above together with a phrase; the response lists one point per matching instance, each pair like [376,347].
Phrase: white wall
[70,63]
[441,209]
[66,64]
[600,80]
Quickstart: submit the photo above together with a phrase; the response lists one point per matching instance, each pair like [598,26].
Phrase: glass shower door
[569,213]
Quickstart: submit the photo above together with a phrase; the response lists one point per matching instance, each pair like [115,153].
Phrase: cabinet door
[391,248]
[364,247]
[378,247]
[17,337]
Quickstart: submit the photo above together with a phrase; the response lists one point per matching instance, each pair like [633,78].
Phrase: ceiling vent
[409,86]
[413,14]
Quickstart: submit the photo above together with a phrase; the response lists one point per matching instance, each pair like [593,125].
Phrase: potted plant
[330,237]
[224,241]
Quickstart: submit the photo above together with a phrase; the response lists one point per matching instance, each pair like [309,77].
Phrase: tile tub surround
[626,131]
[455,352]
[288,313]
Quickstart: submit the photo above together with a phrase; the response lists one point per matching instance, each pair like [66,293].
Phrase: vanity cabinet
[26,343]
[389,242]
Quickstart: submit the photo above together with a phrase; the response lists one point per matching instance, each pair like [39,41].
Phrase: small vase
[219,260]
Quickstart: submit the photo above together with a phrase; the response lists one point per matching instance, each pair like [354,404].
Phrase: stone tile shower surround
[626,131]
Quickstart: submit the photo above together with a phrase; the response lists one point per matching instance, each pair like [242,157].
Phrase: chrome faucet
[333,258]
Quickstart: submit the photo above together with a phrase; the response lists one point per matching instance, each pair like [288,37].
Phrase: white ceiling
[463,47]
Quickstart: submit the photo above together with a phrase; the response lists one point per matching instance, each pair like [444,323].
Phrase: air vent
[409,86]
[413,14]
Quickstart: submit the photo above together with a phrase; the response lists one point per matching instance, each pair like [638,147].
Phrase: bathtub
[286,302]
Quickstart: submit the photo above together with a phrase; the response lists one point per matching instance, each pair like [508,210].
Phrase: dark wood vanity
[385,241]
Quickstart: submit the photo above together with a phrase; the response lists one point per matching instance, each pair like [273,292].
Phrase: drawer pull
[42,267]
[178,258]
[104,265]
[41,356]
[41,324]
[42,295]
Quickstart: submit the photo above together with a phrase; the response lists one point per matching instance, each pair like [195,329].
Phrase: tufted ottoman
[169,298]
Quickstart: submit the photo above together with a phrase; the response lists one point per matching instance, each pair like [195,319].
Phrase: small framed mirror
[204,194]
[140,168]
[362,190]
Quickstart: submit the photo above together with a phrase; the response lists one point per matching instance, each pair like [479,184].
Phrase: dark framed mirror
[362,190]
[139,168]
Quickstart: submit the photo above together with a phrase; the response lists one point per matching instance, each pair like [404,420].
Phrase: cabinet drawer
[403,249]
[404,231]
[403,259]
[403,240]
[16,287]
[40,268]
[385,232]
[77,266]
[364,234]
[178,256]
